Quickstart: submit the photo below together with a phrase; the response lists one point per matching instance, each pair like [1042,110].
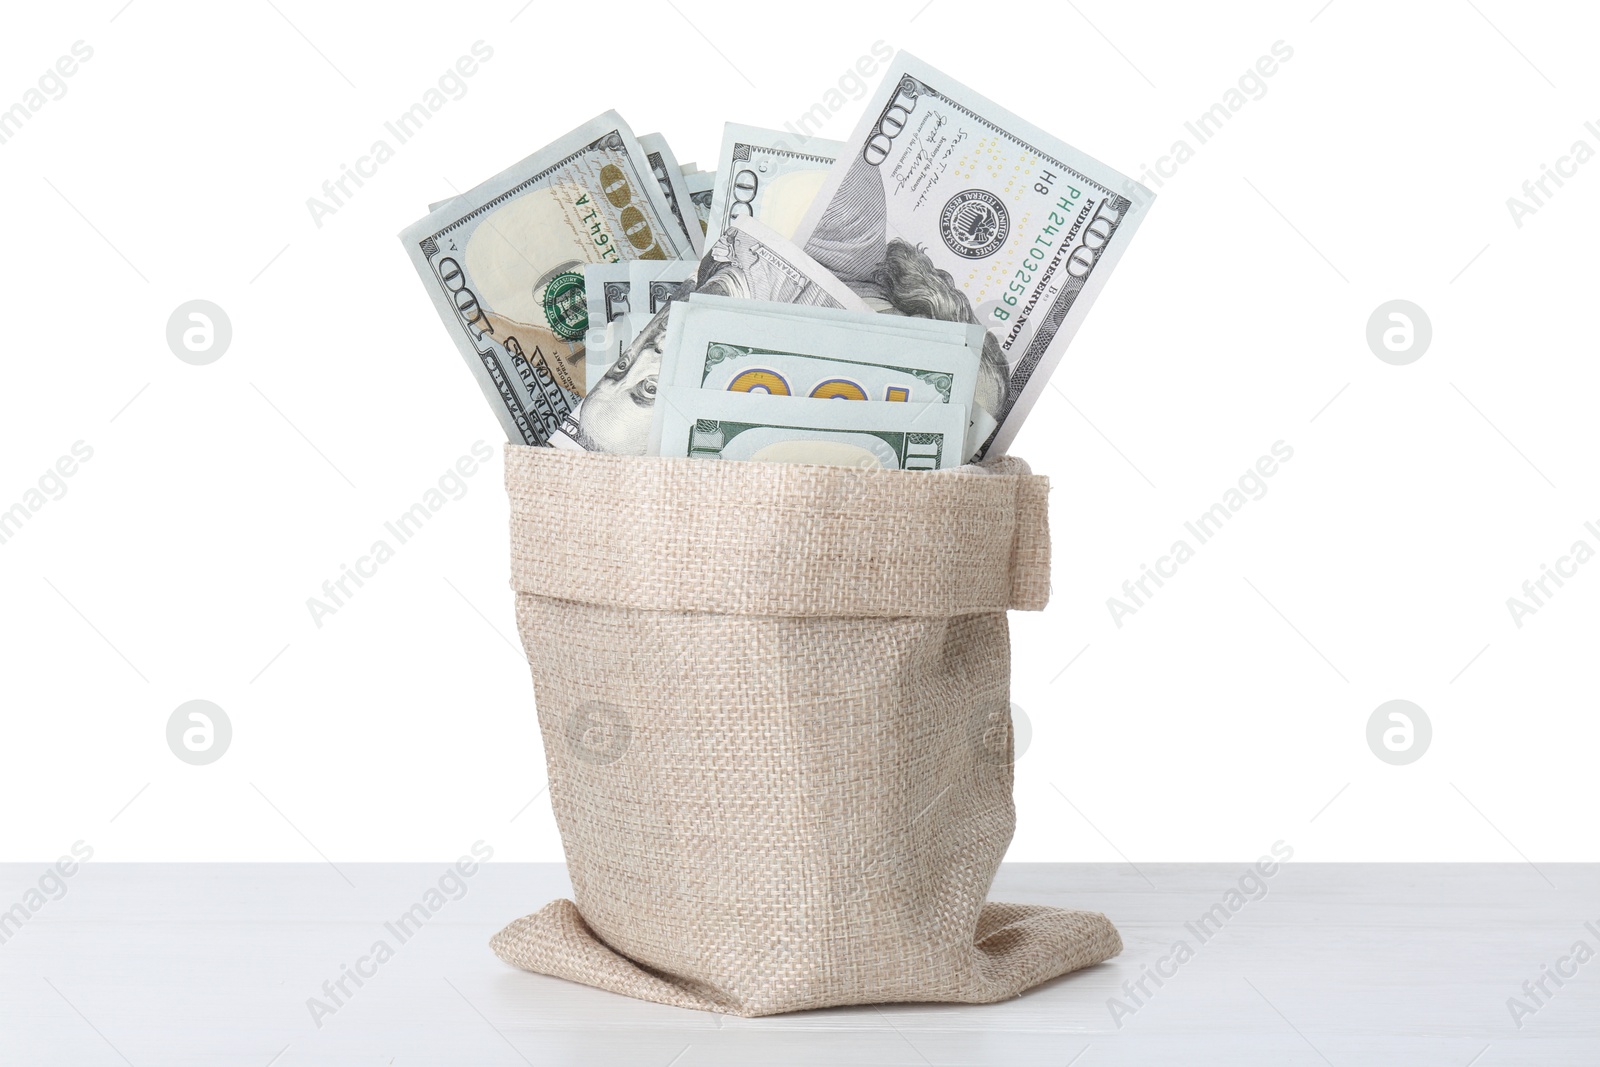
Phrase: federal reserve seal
[974,223]
[565,306]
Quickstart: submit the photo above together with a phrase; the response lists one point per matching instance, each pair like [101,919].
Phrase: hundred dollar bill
[948,206]
[700,186]
[657,283]
[608,289]
[894,325]
[751,346]
[602,346]
[502,262]
[768,174]
[897,326]
[622,297]
[607,345]
[664,165]
[752,426]
[747,261]
[617,289]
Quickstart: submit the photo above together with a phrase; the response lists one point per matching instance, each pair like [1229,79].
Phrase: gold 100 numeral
[762,380]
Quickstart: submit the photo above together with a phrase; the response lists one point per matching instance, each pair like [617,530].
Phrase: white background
[1228,713]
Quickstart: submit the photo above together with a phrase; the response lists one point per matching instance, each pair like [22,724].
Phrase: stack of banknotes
[929,271]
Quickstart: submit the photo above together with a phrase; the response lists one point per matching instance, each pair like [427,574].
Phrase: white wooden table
[1336,964]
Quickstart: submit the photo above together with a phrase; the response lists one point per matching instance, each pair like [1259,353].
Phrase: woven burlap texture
[775,706]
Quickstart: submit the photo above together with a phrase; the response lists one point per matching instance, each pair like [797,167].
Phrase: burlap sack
[776,718]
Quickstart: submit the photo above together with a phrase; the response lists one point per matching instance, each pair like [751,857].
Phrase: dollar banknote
[607,345]
[669,175]
[607,289]
[873,322]
[947,206]
[502,265]
[898,326]
[621,299]
[747,261]
[700,185]
[658,283]
[751,346]
[770,175]
[617,289]
[871,434]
